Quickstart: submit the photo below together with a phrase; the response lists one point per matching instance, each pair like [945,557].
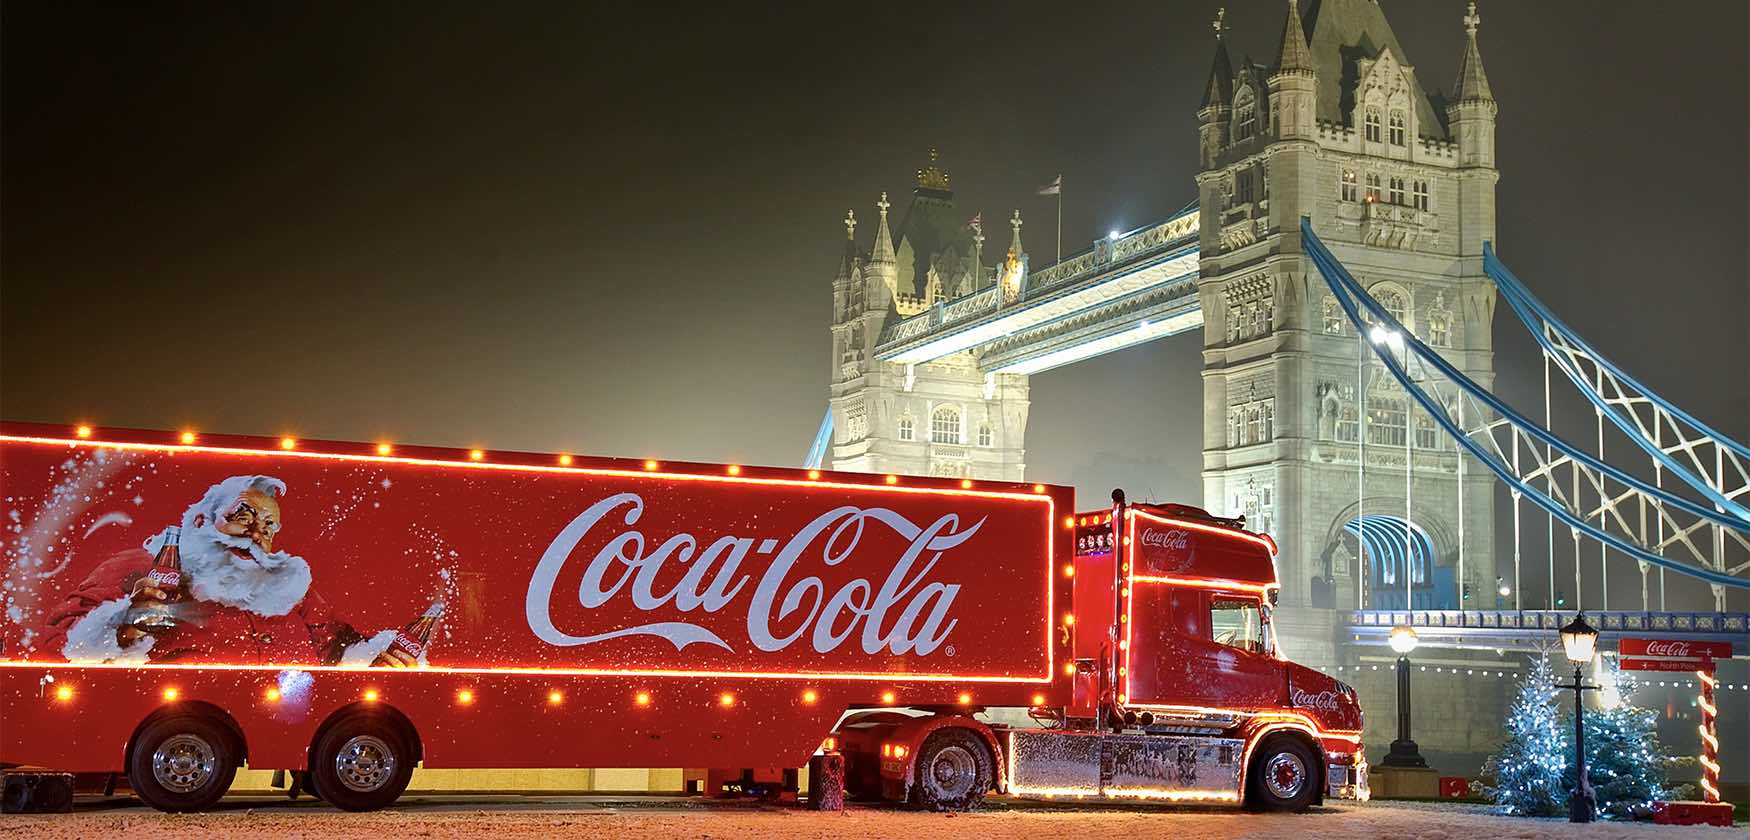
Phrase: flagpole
[1059,219]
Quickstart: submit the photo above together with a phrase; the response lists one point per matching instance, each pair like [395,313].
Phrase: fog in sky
[611,228]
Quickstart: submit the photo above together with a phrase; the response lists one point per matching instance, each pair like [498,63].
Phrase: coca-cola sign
[1670,654]
[1164,549]
[894,606]
[1325,701]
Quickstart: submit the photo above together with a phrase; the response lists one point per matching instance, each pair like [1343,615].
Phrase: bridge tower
[1401,183]
[945,417]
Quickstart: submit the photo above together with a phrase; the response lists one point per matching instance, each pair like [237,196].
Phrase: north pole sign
[1670,654]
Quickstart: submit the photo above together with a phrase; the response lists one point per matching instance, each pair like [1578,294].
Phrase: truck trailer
[178,605]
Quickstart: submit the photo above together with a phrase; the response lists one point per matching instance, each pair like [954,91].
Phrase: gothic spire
[1473,83]
[1295,55]
[1015,248]
[883,249]
[849,263]
[1221,71]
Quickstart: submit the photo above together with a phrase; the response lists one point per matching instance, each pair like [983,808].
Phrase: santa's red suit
[283,623]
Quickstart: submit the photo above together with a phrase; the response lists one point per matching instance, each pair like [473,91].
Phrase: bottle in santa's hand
[165,576]
[414,638]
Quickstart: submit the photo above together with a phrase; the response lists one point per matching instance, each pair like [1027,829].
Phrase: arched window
[1254,431]
[1238,426]
[1349,187]
[1334,317]
[1440,330]
[1397,128]
[1419,195]
[945,425]
[985,436]
[1245,114]
[1348,430]
[1385,420]
[1394,302]
[906,429]
[1372,186]
[1397,191]
[1371,126]
[1427,434]
[1260,319]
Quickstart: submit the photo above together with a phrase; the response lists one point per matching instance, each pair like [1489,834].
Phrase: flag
[1053,188]
[976,221]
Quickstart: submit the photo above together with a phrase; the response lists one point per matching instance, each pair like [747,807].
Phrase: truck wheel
[183,762]
[1283,776]
[362,763]
[952,771]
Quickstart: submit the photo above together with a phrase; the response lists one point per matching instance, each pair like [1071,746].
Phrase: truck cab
[1175,688]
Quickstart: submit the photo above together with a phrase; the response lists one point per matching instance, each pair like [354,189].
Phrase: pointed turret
[1473,83]
[1294,84]
[882,252]
[849,263]
[1212,116]
[1471,113]
[1218,90]
[1294,55]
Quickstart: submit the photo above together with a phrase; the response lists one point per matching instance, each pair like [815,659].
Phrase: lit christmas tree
[1625,762]
[1526,777]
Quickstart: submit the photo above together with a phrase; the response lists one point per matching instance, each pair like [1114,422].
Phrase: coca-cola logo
[165,578]
[1668,648]
[411,645]
[628,566]
[1325,701]
[1174,539]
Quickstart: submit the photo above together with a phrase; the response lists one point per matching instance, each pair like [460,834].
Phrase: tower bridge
[1342,223]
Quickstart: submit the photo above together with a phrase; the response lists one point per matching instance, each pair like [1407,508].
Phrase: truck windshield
[1237,622]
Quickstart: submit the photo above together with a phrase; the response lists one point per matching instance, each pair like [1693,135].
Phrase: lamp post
[1579,640]
[1404,752]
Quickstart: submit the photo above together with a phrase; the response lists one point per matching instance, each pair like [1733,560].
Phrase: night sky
[613,229]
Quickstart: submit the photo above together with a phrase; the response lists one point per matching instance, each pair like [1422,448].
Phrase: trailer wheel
[362,762]
[183,762]
[1283,776]
[952,771]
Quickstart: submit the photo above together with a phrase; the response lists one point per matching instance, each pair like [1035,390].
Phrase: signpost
[1677,655]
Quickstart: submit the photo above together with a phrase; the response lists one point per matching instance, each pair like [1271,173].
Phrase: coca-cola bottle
[413,638]
[165,576]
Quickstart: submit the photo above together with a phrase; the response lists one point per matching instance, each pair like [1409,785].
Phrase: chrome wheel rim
[1285,775]
[365,763]
[951,773]
[184,763]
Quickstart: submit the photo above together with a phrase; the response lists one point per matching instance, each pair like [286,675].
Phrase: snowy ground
[624,818]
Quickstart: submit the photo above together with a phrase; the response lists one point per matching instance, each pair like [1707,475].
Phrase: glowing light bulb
[1069,571]
[82,431]
[565,460]
[170,693]
[63,692]
[1069,522]
[554,698]
[725,699]
[288,443]
[810,696]
[187,438]
[371,695]
[965,699]
[893,479]
[465,697]
[272,695]
[476,455]
[384,449]
[642,698]
[1038,488]
[966,484]
[650,465]
[814,475]
[734,469]
[1038,699]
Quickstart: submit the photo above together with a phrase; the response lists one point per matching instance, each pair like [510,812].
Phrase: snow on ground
[657,818]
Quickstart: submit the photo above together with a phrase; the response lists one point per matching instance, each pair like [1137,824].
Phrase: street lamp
[1404,752]
[1579,641]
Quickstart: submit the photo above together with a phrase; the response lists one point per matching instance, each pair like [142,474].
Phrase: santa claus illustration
[239,601]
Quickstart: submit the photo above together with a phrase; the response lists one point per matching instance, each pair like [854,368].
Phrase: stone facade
[1339,129]
[942,418]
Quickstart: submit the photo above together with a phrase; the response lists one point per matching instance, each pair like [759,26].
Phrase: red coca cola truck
[177,605]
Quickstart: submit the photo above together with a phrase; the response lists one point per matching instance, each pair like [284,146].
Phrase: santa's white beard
[267,583]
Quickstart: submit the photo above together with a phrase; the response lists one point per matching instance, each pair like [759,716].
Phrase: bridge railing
[1621,622]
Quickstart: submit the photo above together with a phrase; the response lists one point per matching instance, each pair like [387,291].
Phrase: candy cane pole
[1710,742]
